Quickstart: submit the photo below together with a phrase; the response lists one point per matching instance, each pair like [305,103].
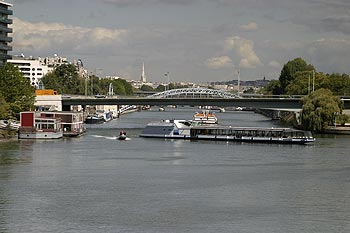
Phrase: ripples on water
[96,183]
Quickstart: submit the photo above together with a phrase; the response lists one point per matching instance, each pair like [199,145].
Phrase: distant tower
[143,75]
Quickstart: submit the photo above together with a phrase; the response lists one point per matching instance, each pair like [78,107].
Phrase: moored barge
[172,130]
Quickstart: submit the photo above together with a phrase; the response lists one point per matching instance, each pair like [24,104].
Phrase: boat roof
[243,128]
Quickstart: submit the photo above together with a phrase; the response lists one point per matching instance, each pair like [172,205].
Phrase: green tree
[127,86]
[16,90]
[160,88]
[290,69]
[146,88]
[4,109]
[273,88]
[65,80]
[339,84]
[319,110]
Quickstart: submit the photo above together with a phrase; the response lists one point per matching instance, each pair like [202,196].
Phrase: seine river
[96,183]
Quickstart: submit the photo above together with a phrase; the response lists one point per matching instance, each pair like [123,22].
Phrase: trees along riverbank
[322,109]
[321,106]
[16,93]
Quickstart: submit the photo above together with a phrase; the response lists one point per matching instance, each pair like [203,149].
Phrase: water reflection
[13,151]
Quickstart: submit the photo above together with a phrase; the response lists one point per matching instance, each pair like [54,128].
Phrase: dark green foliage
[160,88]
[66,80]
[4,109]
[290,69]
[319,110]
[273,88]
[16,93]
[146,88]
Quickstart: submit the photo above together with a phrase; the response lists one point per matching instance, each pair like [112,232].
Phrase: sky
[194,40]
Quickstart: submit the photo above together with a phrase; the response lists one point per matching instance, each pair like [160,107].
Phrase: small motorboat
[122,135]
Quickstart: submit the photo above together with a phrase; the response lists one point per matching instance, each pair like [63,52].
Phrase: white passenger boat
[205,117]
[174,129]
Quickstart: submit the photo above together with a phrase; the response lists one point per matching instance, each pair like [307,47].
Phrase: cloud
[219,62]
[52,37]
[125,3]
[245,49]
[337,23]
[274,64]
[330,54]
[249,27]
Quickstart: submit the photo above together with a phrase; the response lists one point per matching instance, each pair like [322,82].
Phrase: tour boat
[173,129]
[205,117]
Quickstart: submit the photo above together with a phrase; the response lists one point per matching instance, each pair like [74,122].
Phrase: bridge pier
[287,116]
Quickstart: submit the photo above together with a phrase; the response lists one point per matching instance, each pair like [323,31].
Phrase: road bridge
[193,97]
[285,103]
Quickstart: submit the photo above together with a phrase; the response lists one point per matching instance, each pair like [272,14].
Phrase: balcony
[5,56]
[6,11]
[5,29]
[6,20]
[6,47]
[5,39]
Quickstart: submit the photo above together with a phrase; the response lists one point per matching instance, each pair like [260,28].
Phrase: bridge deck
[287,103]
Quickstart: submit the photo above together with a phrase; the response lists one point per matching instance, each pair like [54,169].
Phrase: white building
[32,69]
[35,68]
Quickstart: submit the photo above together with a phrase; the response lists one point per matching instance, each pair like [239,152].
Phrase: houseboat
[34,126]
[72,122]
[51,125]
[173,129]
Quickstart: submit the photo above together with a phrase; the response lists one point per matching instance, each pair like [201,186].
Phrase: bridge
[291,103]
[193,97]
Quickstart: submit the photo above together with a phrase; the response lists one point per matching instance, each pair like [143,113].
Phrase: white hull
[40,135]
[171,130]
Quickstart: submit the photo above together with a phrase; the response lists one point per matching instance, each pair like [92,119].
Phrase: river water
[96,183]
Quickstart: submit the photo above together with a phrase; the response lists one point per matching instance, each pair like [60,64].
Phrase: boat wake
[109,138]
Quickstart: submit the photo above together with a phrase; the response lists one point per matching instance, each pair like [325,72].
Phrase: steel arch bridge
[190,93]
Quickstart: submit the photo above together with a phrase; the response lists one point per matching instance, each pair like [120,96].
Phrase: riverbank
[7,134]
[290,118]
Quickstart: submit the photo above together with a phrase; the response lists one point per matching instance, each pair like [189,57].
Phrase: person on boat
[122,132]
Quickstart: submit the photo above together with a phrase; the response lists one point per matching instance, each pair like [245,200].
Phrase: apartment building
[5,39]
